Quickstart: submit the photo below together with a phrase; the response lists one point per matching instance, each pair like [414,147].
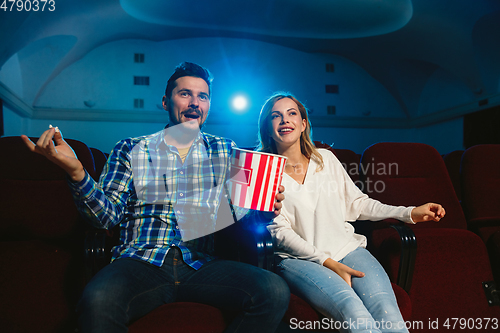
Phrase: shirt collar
[158,139]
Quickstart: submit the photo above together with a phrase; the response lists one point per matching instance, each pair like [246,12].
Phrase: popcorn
[57,128]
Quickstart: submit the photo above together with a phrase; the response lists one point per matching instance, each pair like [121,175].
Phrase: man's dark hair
[188,69]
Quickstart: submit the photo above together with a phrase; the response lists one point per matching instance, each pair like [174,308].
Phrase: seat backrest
[41,241]
[31,181]
[350,161]
[413,174]
[99,161]
[410,174]
[452,162]
[348,158]
[480,175]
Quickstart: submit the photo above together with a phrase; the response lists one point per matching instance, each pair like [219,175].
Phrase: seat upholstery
[348,158]
[493,246]
[43,269]
[41,240]
[451,262]
[452,161]
[480,175]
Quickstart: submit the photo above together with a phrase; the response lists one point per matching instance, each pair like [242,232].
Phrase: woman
[320,256]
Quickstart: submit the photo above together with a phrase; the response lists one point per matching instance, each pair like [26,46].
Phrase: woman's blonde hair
[267,143]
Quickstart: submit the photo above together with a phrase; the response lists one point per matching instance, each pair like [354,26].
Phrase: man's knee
[105,290]
[274,289]
[95,298]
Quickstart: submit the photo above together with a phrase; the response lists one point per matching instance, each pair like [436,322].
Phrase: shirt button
[182,172]
[181,194]
[176,227]
[178,212]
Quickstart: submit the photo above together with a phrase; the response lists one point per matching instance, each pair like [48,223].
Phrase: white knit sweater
[313,221]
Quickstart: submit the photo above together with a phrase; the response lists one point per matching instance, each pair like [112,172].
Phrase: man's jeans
[369,306]
[128,289]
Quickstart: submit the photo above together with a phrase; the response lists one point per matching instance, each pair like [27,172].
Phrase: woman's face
[287,124]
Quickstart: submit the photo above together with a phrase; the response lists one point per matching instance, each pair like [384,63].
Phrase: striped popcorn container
[255,178]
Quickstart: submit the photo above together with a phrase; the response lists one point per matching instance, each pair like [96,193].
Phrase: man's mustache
[191,111]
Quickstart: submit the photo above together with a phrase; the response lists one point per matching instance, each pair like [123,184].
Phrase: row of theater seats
[260,252]
[47,257]
[49,252]
[475,176]
[455,258]
[46,254]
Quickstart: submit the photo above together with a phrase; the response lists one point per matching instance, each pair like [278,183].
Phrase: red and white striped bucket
[255,178]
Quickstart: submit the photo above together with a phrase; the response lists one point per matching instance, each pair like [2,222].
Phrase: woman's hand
[345,272]
[279,198]
[60,153]
[428,212]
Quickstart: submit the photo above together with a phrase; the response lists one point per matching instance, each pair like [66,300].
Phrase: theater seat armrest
[250,244]
[247,240]
[408,255]
[96,256]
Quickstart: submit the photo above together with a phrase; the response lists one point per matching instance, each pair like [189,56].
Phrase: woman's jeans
[128,289]
[369,306]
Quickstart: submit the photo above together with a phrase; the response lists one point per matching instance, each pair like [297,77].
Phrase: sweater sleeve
[361,207]
[288,241]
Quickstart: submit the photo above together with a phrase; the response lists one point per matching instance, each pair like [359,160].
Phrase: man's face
[189,103]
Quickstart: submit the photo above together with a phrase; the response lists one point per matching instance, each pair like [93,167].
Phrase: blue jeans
[128,289]
[369,306]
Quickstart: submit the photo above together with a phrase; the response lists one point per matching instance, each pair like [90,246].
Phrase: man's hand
[279,198]
[345,272]
[428,212]
[60,153]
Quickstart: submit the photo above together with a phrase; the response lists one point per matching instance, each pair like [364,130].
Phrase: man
[160,188]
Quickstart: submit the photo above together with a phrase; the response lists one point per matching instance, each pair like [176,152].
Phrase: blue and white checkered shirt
[158,200]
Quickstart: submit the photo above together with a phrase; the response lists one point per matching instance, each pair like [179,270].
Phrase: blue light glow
[240,103]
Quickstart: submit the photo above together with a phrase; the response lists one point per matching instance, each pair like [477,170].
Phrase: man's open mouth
[192,115]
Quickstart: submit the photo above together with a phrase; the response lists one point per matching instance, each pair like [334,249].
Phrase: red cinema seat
[452,161]
[480,175]
[42,271]
[451,262]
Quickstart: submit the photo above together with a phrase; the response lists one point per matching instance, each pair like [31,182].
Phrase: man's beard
[174,122]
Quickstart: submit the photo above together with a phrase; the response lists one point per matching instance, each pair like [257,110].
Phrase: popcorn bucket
[255,178]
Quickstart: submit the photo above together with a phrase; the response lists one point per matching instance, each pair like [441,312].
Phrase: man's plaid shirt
[151,217]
